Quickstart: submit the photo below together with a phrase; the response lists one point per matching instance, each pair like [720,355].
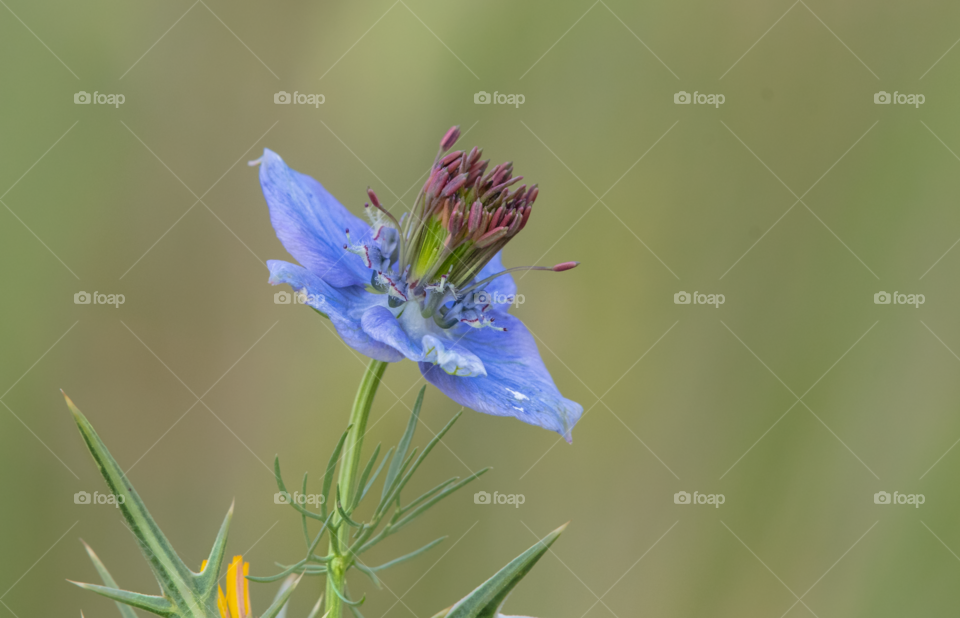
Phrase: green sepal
[108,580]
[146,602]
[487,599]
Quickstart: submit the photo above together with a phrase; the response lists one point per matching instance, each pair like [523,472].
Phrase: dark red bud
[454,185]
[450,138]
[373,197]
[559,268]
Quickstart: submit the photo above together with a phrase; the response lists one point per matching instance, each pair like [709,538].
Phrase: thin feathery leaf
[409,556]
[429,503]
[362,483]
[373,479]
[331,466]
[404,444]
[426,451]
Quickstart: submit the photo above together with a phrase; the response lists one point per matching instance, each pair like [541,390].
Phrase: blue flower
[430,287]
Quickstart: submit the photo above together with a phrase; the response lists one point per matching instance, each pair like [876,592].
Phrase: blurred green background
[653,197]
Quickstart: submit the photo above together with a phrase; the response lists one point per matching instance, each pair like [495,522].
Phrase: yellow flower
[236,603]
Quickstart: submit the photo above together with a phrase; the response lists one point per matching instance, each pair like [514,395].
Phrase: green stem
[349,465]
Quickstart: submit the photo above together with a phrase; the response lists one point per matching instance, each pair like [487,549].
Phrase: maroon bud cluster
[478,211]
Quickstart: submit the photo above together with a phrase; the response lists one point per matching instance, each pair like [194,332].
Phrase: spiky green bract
[487,600]
[108,580]
[185,594]
[350,536]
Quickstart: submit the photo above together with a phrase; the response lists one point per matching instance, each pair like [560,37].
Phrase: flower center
[462,217]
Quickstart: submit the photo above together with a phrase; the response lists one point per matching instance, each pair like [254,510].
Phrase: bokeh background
[153,200]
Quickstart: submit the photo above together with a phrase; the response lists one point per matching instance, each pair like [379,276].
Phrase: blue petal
[517,382]
[344,306]
[310,223]
[429,347]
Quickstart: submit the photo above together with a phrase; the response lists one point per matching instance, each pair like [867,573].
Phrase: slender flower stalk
[339,558]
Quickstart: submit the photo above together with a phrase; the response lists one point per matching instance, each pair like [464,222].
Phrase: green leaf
[393,489]
[376,474]
[108,580]
[272,578]
[156,605]
[426,451]
[428,504]
[404,444]
[427,494]
[331,466]
[343,514]
[486,600]
[283,489]
[362,483]
[409,556]
[180,585]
